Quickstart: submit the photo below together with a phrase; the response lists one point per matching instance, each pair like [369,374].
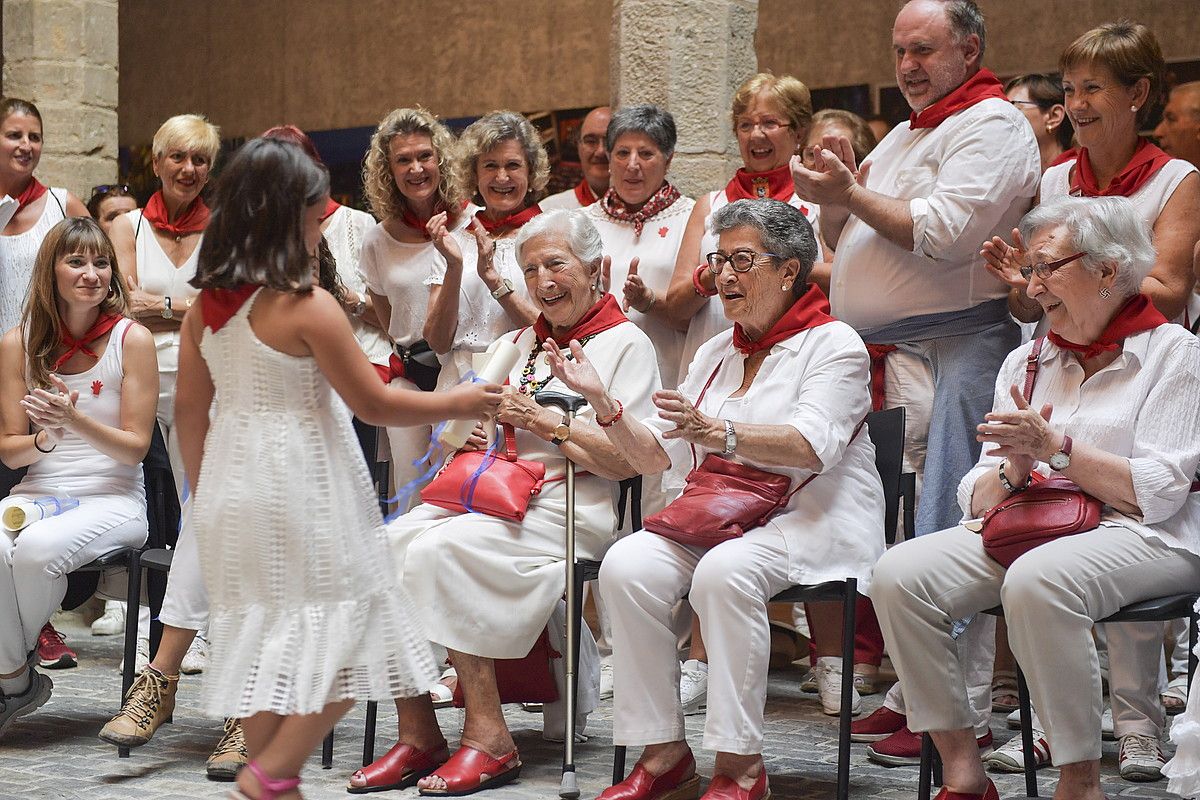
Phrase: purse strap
[1031,368]
[699,398]
[788,497]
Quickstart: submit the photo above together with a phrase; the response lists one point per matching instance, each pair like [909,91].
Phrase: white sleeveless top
[17,254]
[157,274]
[75,468]
[710,319]
[346,235]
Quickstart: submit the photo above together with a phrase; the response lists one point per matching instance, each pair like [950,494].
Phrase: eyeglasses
[1025,103]
[767,126]
[740,260]
[105,189]
[1044,270]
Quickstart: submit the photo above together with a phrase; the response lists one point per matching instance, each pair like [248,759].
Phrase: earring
[787,286]
[1104,292]
[1133,109]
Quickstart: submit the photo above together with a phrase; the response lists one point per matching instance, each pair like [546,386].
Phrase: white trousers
[34,564]
[643,578]
[406,445]
[185,604]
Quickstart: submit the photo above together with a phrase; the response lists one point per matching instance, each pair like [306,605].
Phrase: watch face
[1060,461]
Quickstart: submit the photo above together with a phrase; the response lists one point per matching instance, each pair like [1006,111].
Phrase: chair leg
[618,764]
[369,733]
[849,610]
[1193,621]
[1030,758]
[327,752]
[133,598]
[924,785]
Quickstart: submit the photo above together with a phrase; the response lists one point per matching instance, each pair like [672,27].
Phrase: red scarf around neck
[661,200]
[1137,315]
[776,184]
[32,192]
[331,207]
[604,314]
[103,324]
[810,310]
[193,220]
[510,223]
[584,194]
[418,223]
[1147,160]
[980,86]
[217,306]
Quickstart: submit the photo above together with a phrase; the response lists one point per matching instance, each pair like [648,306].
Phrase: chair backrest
[630,488]
[162,500]
[887,434]
[368,440]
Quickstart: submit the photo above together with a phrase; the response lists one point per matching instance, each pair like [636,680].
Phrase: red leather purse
[502,490]
[1043,511]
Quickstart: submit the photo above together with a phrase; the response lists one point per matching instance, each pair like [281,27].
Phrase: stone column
[688,56]
[62,56]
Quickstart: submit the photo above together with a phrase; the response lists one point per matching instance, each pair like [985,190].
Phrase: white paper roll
[18,513]
[502,356]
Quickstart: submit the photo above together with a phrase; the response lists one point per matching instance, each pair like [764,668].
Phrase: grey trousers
[1052,596]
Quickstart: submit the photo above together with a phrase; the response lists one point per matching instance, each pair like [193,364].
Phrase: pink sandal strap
[272,787]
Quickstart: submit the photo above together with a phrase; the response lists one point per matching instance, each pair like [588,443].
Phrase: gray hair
[581,236]
[654,121]
[965,18]
[782,229]
[1108,229]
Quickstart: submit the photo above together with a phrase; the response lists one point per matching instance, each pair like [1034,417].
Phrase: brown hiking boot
[230,754]
[148,704]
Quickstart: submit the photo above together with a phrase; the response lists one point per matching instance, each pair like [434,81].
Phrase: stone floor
[54,753]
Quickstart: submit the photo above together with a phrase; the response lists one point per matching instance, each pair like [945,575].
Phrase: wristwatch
[1062,459]
[503,290]
[167,312]
[359,309]
[730,438]
[562,431]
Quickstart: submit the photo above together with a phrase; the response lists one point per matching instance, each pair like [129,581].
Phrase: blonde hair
[789,93]
[41,324]
[384,196]
[484,135]
[862,138]
[187,132]
[1130,51]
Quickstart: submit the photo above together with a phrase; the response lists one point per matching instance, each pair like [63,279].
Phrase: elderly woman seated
[1113,409]
[483,585]
[783,395]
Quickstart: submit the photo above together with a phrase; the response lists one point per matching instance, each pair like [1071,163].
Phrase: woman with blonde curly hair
[476,286]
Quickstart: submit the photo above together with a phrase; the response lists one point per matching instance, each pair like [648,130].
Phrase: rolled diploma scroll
[17,513]
[502,356]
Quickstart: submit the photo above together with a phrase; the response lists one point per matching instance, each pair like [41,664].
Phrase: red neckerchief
[331,208]
[810,310]
[217,306]
[193,220]
[100,327]
[510,223]
[1064,157]
[1137,315]
[978,87]
[584,194]
[1147,160]
[32,192]
[775,183]
[418,223]
[604,314]
[614,206]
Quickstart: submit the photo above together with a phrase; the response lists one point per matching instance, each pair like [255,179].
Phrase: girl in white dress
[306,614]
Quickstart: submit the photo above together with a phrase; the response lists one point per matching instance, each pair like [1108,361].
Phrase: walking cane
[570,787]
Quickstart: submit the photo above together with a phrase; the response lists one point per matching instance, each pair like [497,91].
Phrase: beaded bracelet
[613,421]
[698,285]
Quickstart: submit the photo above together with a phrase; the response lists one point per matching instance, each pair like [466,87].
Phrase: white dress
[17,254]
[346,236]
[306,609]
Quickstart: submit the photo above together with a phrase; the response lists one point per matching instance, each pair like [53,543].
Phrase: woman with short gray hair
[783,395]
[1115,376]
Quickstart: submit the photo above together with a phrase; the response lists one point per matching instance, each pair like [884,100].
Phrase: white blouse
[347,231]
[1142,407]
[817,382]
[17,254]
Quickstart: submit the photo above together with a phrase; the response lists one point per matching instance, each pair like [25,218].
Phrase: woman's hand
[690,424]
[638,295]
[474,400]
[442,240]
[1004,261]
[52,409]
[477,440]
[1023,436]
[521,411]
[485,246]
[578,375]
[142,303]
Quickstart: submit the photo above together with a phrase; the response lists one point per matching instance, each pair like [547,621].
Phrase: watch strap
[730,438]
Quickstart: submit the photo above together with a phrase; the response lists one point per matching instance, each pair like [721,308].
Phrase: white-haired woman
[1112,408]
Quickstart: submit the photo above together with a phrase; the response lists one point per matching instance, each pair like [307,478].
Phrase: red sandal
[465,770]
[399,768]
[269,788]
[723,787]
[989,793]
[680,782]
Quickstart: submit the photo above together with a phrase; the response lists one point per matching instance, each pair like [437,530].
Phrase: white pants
[643,577]
[407,445]
[34,564]
[185,604]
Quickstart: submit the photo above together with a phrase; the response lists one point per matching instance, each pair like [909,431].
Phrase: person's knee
[37,556]
[895,580]
[720,581]
[1030,584]
[626,570]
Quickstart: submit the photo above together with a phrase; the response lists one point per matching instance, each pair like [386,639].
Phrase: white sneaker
[196,657]
[1140,758]
[1010,757]
[693,687]
[1106,725]
[112,621]
[829,687]
[808,683]
[143,657]
[606,680]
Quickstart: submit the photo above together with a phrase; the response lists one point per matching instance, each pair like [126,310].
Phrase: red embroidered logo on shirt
[96,387]
[804,210]
[663,231]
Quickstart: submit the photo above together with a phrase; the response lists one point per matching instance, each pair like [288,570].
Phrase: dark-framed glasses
[767,126]
[1019,103]
[1044,270]
[740,260]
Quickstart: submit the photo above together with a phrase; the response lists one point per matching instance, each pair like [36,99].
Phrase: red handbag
[524,680]
[1043,511]
[502,490]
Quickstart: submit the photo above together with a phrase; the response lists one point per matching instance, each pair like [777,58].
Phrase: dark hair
[654,121]
[15,105]
[290,133]
[1045,89]
[255,234]
[327,274]
[781,227]
[103,192]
